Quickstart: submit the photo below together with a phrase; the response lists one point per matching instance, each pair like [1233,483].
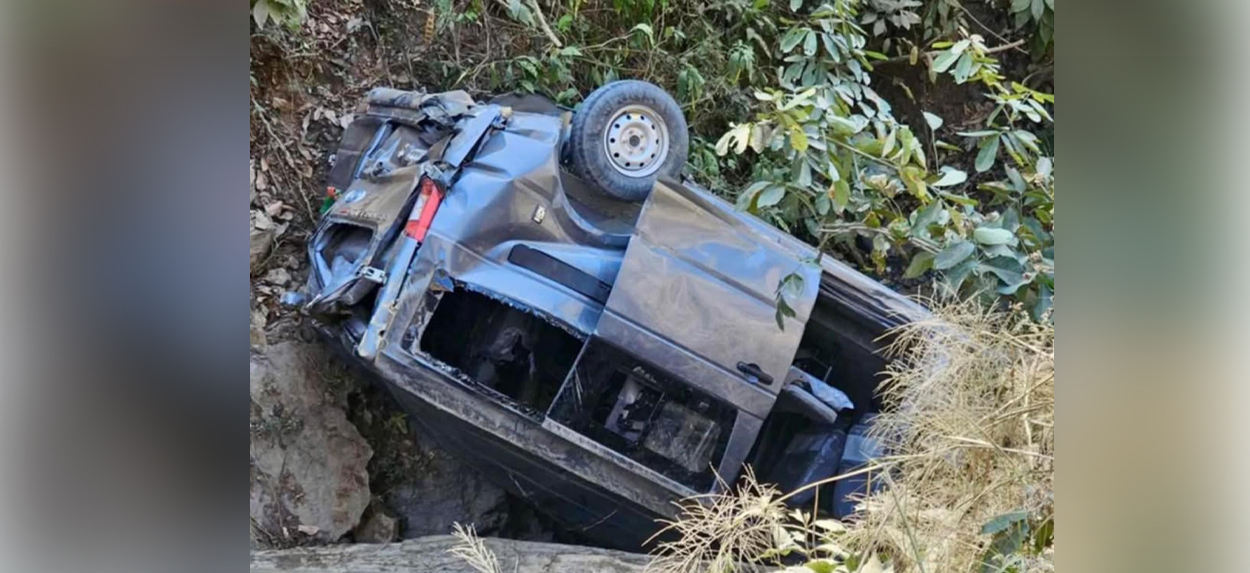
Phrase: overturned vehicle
[548,298]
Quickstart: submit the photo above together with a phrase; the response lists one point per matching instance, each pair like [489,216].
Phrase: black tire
[587,144]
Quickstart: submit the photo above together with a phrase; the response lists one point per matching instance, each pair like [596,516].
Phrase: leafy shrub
[289,12]
[803,113]
[854,170]
[969,481]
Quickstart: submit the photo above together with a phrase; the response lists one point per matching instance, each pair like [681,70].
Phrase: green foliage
[1038,15]
[890,14]
[788,118]
[1014,538]
[288,12]
[856,171]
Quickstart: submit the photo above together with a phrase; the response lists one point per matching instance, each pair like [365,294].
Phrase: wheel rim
[636,141]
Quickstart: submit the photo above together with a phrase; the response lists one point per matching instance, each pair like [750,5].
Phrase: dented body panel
[597,357]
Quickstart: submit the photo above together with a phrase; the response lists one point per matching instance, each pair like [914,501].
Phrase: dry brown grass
[716,532]
[970,423]
[970,427]
[470,548]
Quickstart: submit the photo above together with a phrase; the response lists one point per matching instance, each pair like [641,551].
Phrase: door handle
[754,371]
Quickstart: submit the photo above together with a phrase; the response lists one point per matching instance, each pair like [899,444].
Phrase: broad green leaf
[841,195]
[944,60]
[960,199]
[645,29]
[888,146]
[1028,139]
[913,178]
[823,204]
[798,139]
[795,5]
[803,171]
[784,310]
[763,96]
[964,68]
[827,40]
[950,176]
[1020,5]
[1035,229]
[953,255]
[792,38]
[739,135]
[809,44]
[1038,7]
[1000,251]
[927,215]
[1006,269]
[992,236]
[956,275]
[960,46]
[1045,166]
[1010,220]
[820,565]
[261,13]
[1017,182]
[842,125]
[771,196]
[989,152]
[799,100]
[920,263]
[760,134]
[933,121]
[752,189]
[981,133]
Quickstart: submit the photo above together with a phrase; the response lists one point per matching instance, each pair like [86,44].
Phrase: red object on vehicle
[425,209]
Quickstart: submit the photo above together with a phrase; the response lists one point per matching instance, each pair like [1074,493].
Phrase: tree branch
[927,55]
[542,21]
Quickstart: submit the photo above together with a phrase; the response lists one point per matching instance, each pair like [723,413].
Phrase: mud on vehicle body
[599,356]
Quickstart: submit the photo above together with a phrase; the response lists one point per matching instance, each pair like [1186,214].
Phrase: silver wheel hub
[636,141]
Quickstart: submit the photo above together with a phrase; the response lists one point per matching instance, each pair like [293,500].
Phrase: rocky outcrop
[308,462]
[426,487]
[429,555]
[445,491]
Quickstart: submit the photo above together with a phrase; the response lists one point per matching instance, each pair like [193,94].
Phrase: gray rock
[262,235]
[429,555]
[308,462]
[444,491]
[278,276]
[377,527]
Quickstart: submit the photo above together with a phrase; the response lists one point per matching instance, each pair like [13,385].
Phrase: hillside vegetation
[911,138]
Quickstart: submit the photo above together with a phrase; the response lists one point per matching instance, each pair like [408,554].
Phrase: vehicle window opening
[512,352]
[638,411]
[341,247]
[793,448]
[843,353]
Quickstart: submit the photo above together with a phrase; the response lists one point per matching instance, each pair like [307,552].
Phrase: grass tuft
[470,548]
[969,419]
[716,532]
